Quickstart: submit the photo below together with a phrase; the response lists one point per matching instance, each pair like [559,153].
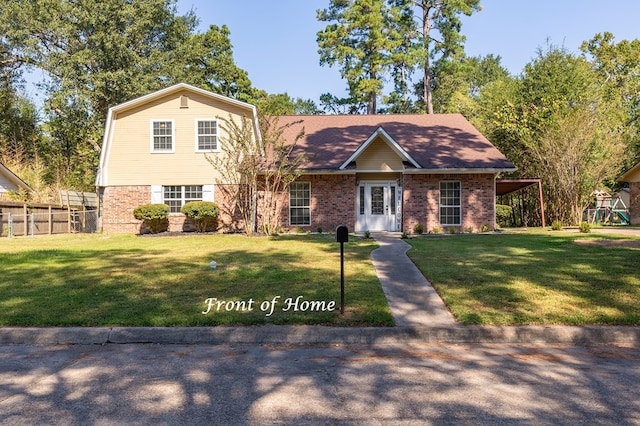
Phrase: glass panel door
[377,200]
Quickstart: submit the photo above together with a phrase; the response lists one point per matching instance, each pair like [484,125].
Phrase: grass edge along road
[128,280]
[535,277]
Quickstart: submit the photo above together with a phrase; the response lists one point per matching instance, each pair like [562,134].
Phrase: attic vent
[184,101]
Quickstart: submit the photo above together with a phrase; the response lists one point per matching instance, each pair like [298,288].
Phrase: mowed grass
[127,280]
[539,277]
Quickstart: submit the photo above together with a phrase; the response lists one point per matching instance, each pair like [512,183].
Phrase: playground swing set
[608,210]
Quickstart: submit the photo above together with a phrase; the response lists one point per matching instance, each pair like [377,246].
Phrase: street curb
[307,335]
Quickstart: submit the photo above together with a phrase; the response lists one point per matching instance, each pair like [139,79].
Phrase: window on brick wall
[450,203]
[177,196]
[300,203]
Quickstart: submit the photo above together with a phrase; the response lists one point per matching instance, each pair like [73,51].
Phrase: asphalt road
[392,384]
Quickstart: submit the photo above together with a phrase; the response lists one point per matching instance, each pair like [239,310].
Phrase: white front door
[378,206]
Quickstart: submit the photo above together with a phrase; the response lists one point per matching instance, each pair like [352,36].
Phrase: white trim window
[300,203]
[176,196]
[450,203]
[207,135]
[162,136]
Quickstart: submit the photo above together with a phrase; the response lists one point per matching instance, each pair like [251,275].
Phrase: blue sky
[275,41]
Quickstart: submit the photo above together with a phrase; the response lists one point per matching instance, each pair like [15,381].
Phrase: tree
[618,67]
[278,170]
[357,38]
[283,104]
[238,166]
[554,121]
[255,173]
[97,54]
[443,17]
[458,83]
[206,60]
[576,154]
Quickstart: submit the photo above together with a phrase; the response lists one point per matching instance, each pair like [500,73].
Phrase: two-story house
[368,172]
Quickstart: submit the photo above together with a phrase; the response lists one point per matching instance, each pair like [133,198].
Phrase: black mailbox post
[342,236]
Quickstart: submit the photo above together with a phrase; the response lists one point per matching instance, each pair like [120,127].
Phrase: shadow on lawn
[532,279]
[158,287]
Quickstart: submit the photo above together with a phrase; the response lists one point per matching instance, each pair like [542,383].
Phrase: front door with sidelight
[378,206]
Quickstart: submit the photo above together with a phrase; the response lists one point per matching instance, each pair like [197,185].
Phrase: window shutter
[156,194]
[207,192]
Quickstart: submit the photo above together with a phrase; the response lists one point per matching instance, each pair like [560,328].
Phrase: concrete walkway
[412,299]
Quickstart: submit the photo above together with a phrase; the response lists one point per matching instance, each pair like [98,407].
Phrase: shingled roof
[436,142]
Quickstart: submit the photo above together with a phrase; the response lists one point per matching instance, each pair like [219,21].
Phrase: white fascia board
[101,177]
[389,140]
[459,171]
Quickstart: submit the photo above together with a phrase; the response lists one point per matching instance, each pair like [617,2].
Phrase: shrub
[203,213]
[585,227]
[404,236]
[556,225]
[319,229]
[418,229]
[485,228]
[367,234]
[503,215]
[452,230]
[154,216]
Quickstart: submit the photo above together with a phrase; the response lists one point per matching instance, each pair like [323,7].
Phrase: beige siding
[379,156]
[130,160]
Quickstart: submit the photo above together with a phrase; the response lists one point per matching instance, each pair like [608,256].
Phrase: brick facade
[333,203]
[118,203]
[421,199]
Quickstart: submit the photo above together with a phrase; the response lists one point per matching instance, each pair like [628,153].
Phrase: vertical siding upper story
[130,160]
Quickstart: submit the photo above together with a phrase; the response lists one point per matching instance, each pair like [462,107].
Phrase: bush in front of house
[154,216]
[585,227]
[503,215]
[203,213]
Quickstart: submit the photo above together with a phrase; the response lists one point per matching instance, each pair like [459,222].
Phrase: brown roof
[436,142]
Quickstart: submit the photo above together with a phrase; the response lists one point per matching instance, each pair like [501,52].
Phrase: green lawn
[127,280]
[537,277]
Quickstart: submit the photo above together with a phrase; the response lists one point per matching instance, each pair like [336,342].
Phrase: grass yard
[127,280]
[537,277]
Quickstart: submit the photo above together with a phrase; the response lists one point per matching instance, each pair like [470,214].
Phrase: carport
[509,186]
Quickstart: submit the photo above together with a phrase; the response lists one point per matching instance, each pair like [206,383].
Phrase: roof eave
[469,170]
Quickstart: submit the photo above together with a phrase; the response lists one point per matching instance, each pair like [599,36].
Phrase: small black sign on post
[342,236]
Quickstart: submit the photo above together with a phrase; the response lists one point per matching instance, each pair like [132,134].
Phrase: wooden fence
[22,219]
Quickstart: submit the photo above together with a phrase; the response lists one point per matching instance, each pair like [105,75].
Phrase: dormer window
[162,135]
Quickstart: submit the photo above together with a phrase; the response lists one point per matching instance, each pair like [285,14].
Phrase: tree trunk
[371,103]
[427,72]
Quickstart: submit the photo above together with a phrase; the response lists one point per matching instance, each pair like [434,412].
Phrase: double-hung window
[162,136]
[300,203]
[450,204]
[177,196]
[207,136]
